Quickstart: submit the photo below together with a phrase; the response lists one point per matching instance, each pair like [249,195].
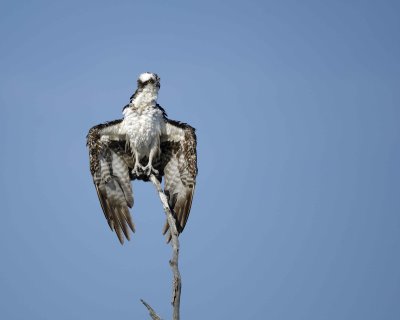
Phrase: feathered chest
[143,127]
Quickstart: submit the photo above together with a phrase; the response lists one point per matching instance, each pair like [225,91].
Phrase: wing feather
[111,178]
[179,157]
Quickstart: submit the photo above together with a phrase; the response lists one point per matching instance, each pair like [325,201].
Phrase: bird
[144,142]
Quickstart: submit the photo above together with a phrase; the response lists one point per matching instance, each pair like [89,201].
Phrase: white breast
[143,127]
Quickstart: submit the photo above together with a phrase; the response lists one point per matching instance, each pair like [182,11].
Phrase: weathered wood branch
[176,284]
[153,314]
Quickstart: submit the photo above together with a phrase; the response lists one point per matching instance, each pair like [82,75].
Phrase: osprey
[145,142]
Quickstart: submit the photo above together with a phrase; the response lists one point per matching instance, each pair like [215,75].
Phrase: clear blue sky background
[297,110]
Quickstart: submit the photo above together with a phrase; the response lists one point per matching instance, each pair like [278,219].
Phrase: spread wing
[179,158]
[109,166]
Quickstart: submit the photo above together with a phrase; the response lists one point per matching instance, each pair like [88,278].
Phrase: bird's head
[148,85]
[149,79]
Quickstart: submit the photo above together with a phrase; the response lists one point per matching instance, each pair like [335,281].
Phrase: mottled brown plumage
[111,162]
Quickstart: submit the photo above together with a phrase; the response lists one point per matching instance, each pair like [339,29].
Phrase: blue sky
[296,105]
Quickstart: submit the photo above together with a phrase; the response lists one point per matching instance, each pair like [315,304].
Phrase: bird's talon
[136,171]
[149,170]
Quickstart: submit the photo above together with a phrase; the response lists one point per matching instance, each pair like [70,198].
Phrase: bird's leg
[149,168]
[137,167]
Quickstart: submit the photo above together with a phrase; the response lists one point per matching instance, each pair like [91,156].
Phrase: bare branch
[176,285]
[153,314]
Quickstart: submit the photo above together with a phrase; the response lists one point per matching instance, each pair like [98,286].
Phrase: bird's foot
[149,170]
[138,170]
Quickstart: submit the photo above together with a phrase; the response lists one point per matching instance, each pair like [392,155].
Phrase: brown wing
[179,158]
[109,167]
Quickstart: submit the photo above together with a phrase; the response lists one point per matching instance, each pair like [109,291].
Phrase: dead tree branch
[153,314]
[176,284]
